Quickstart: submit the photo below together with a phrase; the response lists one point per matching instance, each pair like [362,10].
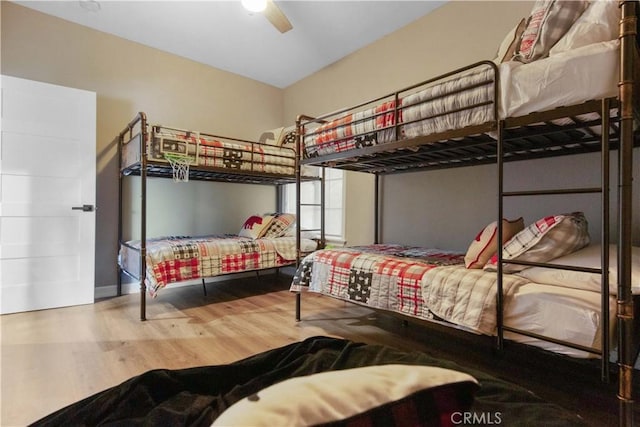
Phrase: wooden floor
[52,358]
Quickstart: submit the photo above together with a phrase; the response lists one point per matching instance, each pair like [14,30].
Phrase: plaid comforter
[381,276]
[180,258]
[423,283]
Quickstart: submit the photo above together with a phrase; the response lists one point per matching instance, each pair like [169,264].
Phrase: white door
[47,175]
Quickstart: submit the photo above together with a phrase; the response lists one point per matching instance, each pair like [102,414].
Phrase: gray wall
[448,207]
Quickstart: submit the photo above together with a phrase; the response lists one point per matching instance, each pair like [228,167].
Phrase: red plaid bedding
[419,282]
[382,276]
[176,259]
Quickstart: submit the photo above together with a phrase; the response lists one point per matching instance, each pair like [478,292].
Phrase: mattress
[566,79]
[566,314]
[180,258]
[206,150]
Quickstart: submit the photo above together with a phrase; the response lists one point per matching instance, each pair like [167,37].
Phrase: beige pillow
[485,245]
[548,22]
[426,395]
[548,238]
[280,225]
[255,226]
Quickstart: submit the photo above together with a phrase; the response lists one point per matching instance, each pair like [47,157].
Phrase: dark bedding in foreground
[197,396]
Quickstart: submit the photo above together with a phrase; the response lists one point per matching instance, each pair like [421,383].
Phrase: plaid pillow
[544,240]
[548,22]
[280,225]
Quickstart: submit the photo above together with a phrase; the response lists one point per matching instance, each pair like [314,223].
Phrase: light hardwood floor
[52,358]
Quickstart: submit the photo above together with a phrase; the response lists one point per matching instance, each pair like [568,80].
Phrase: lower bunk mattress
[434,285]
[239,393]
[181,258]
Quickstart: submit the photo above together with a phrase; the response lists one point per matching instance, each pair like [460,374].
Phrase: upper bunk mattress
[205,150]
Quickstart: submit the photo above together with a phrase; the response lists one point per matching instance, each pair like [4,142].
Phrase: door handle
[83,208]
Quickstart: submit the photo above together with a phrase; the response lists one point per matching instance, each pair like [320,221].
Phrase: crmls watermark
[476,418]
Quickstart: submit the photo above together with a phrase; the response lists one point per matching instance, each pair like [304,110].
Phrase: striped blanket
[222,153]
[462,101]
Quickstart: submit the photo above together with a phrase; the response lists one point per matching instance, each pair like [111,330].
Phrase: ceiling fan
[271,11]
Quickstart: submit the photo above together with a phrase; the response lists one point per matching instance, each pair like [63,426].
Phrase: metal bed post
[499,293]
[299,131]
[119,269]
[140,118]
[376,210]
[628,56]
[323,240]
[604,255]
[143,218]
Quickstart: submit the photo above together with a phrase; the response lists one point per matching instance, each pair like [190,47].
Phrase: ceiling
[223,35]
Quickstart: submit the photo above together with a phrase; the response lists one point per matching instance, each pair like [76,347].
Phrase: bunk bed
[524,105]
[152,150]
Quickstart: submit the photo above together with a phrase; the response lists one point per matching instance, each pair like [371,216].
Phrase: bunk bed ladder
[322,240]
[603,271]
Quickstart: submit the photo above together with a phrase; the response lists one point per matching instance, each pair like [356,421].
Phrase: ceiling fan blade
[276,17]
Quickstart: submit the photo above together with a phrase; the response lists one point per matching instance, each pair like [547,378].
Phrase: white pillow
[588,257]
[598,23]
[329,397]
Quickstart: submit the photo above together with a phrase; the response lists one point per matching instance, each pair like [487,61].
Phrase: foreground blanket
[197,396]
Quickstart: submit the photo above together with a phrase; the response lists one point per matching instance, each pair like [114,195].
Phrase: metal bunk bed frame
[137,132]
[472,146]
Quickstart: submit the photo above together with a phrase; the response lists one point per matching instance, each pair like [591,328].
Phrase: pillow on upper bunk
[544,240]
[271,137]
[548,22]
[397,394]
[255,226]
[486,242]
[589,257]
[288,138]
[281,224]
[599,23]
[511,41]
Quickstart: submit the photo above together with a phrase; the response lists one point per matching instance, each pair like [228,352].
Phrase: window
[310,204]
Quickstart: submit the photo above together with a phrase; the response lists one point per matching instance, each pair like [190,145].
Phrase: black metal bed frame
[532,136]
[136,132]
